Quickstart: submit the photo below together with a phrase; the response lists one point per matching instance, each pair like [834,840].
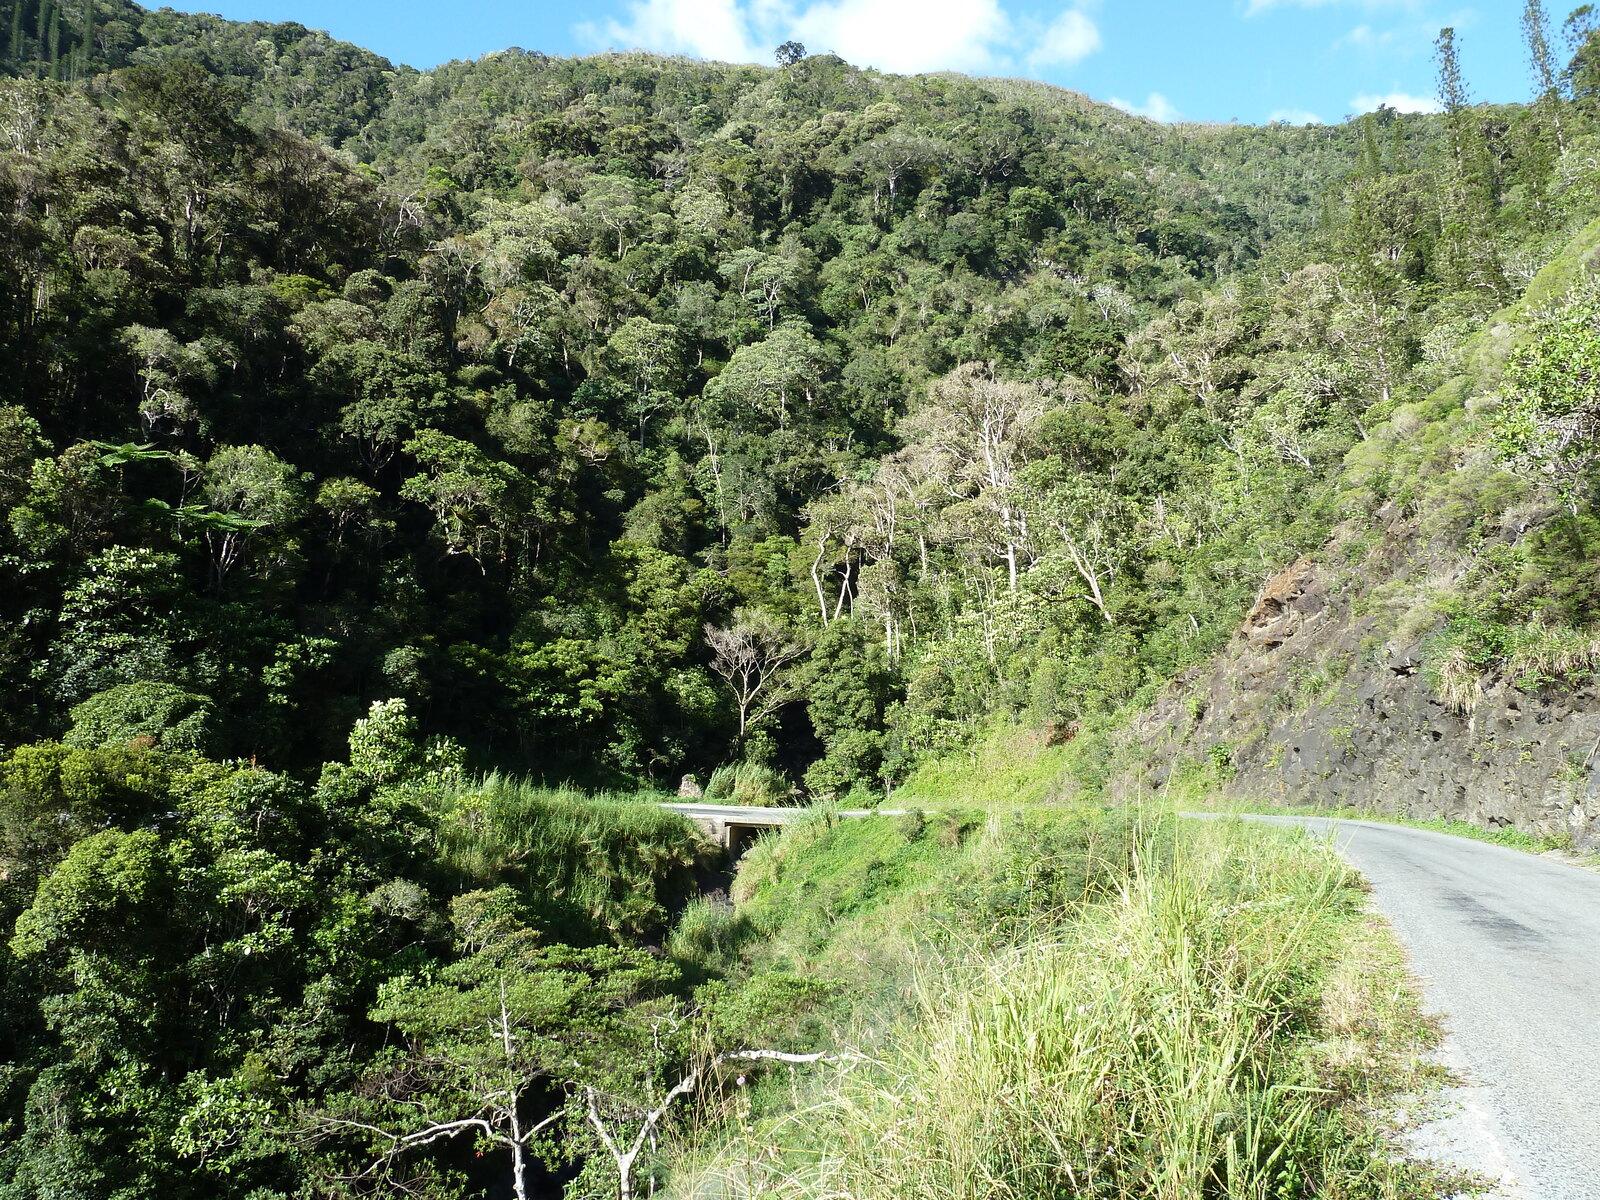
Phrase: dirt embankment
[1323,697]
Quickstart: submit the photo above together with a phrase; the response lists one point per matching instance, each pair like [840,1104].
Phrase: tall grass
[1161,1047]
[1528,655]
[1008,766]
[610,864]
[749,783]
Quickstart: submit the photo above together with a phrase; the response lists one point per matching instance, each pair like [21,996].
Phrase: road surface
[1507,946]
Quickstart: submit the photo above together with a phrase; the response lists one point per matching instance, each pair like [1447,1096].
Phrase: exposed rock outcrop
[1323,698]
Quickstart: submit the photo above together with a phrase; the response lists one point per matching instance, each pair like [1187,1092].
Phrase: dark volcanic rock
[1320,699]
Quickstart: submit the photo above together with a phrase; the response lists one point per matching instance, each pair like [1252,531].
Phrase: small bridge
[735,825]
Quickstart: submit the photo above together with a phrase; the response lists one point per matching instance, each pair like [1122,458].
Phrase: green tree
[1548,426]
[496,1041]
[650,357]
[383,744]
[788,368]
[122,622]
[1466,244]
[848,686]
[482,507]
[255,498]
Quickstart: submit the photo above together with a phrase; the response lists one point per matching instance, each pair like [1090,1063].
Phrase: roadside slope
[1437,657]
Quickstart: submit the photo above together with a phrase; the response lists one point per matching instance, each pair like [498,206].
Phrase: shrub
[158,713]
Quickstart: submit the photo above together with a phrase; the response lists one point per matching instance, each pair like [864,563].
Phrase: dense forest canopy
[493,387]
[602,420]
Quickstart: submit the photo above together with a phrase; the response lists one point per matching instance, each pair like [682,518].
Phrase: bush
[854,761]
[158,714]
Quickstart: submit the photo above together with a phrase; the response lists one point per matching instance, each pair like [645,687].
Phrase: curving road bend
[1507,946]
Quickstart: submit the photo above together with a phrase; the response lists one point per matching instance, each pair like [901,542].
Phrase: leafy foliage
[379,449]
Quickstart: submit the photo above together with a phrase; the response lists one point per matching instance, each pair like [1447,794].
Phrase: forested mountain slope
[552,394]
[364,431]
[601,352]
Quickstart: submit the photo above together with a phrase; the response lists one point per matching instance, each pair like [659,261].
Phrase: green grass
[749,784]
[1009,767]
[1221,1026]
[927,876]
[606,864]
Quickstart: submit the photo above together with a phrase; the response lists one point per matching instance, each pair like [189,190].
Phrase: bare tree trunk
[816,577]
[625,1159]
[519,1170]
[844,587]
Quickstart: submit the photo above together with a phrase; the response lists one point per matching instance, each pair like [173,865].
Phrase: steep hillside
[390,459]
[493,387]
[1436,658]
[630,416]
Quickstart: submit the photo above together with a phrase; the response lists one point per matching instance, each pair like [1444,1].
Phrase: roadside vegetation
[1210,1011]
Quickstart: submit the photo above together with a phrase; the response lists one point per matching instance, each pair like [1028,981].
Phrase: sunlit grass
[1009,767]
[1175,1042]
[615,861]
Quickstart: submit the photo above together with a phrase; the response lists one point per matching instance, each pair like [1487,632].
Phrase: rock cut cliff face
[1322,697]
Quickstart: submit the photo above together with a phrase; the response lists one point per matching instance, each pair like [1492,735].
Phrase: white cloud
[1295,116]
[1071,37]
[1403,101]
[1156,106]
[1252,7]
[713,29]
[907,36]
[903,36]
[1406,41]
[1364,37]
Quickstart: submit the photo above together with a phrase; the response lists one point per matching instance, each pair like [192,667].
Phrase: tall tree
[1466,242]
[1546,75]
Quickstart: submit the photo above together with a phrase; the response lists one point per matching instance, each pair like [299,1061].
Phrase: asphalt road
[1507,946]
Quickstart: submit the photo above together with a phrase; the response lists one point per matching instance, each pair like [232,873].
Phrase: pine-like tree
[1546,75]
[1467,241]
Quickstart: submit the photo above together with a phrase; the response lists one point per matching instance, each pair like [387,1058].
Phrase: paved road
[1507,946]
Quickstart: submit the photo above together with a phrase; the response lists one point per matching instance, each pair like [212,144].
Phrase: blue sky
[1206,60]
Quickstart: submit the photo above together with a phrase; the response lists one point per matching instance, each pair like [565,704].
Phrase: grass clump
[749,783]
[1174,1043]
[1530,654]
[608,865]
[712,935]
